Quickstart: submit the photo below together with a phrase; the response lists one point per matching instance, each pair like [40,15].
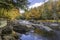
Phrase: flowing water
[32,36]
[35,36]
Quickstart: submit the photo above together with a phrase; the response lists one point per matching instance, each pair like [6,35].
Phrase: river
[32,36]
[35,36]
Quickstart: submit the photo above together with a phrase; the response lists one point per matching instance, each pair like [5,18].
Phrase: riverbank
[49,20]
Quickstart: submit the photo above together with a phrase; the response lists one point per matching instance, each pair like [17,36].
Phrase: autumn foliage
[9,14]
[48,10]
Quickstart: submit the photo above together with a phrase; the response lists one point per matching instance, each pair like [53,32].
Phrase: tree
[33,14]
[8,7]
[13,3]
[45,11]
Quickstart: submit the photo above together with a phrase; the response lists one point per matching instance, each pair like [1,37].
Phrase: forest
[38,23]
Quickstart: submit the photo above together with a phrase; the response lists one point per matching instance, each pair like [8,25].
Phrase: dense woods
[49,10]
[10,8]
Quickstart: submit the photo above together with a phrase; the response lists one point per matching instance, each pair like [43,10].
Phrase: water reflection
[32,36]
[49,35]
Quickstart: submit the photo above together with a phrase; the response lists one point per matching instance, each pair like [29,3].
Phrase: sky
[34,3]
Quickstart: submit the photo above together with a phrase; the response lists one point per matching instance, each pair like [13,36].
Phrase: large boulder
[3,23]
[19,27]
